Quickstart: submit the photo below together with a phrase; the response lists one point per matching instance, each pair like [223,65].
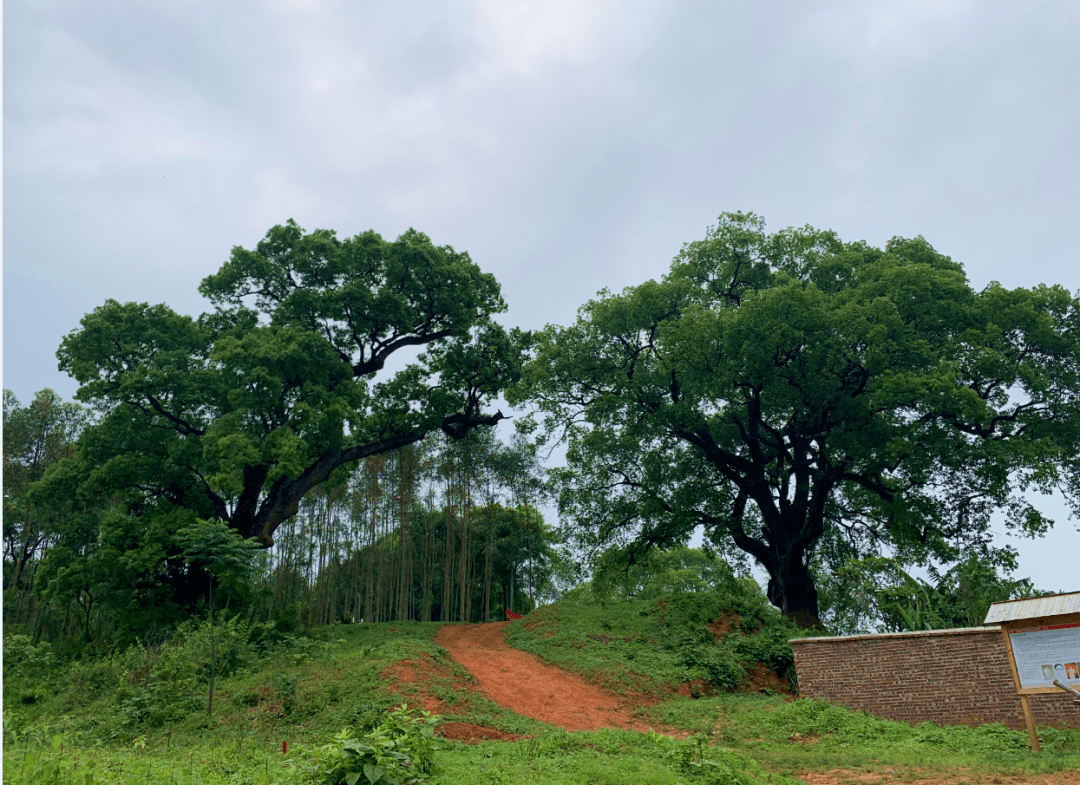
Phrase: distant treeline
[439,530]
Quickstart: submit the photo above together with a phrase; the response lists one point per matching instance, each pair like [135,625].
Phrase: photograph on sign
[1043,654]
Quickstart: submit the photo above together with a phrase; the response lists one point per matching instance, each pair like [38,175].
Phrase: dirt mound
[698,688]
[725,625]
[410,680]
[522,683]
[470,733]
[765,678]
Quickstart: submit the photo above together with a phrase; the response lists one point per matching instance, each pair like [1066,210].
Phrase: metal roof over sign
[1034,608]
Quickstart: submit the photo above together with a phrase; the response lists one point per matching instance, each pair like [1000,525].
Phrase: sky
[567,146]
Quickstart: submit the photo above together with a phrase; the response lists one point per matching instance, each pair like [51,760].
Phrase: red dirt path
[523,683]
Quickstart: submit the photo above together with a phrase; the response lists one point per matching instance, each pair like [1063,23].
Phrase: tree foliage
[238,413]
[445,529]
[877,593]
[674,571]
[792,391]
[36,437]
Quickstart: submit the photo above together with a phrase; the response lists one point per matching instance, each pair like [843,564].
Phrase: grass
[808,735]
[607,757]
[651,647]
[82,731]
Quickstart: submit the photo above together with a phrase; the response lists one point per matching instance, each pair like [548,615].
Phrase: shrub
[401,749]
[27,669]
[718,665]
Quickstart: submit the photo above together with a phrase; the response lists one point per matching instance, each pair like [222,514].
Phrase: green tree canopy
[237,414]
[36,436]
[790,390]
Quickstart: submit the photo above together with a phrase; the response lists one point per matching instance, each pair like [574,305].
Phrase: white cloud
[531,40]
[883,35]
[504,66]
[101,117]
[278,196]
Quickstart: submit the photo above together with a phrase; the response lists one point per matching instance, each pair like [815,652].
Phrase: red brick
[950,677]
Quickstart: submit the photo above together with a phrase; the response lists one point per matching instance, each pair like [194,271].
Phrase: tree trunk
[89,606]
[791,589]
[213,654]
[788,537]
[427,576]
[27,550]
[489,547]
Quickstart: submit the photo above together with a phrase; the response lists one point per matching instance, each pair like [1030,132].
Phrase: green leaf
[809,401]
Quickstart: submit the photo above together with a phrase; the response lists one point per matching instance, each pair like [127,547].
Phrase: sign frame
[1007,627]
[1011,627]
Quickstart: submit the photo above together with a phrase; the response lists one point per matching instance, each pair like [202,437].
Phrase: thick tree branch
[283,500]
[183,427]
[378,359]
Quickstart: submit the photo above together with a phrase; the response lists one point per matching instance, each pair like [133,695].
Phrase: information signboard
[1042,639]
[1043,654]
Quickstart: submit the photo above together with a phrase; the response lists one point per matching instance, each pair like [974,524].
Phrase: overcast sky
[567,146]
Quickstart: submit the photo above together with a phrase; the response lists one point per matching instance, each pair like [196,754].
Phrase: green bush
[718,665]
[709,765]
[28,668]
[157,685]
[399,750]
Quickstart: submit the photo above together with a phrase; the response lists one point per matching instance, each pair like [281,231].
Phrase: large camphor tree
[237,414]
[788,391]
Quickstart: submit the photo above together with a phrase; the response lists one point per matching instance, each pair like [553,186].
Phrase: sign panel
[1043,654]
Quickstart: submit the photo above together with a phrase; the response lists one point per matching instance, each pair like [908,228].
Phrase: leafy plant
[26,667]
[400,750]
[285,685]
[719,636]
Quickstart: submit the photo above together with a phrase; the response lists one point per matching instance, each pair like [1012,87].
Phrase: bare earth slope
[522,683]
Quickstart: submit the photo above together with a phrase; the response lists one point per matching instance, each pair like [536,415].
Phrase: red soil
[417,672]
[521,682]
[467,732]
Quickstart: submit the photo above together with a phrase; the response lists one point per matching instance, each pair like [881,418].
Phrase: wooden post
[1029,719]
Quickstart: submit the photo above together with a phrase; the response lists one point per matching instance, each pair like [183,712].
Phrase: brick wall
[950,677]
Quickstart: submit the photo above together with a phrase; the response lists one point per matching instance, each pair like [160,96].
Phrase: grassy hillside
[701,643]
[141,716]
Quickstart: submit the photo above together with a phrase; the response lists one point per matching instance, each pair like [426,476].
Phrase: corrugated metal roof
[1034,607]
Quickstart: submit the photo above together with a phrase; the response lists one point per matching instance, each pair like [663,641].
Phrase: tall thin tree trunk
[213,653]
[489,547]
[427,579]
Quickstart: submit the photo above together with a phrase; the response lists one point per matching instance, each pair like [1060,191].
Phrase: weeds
[653,646]
[78,728]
